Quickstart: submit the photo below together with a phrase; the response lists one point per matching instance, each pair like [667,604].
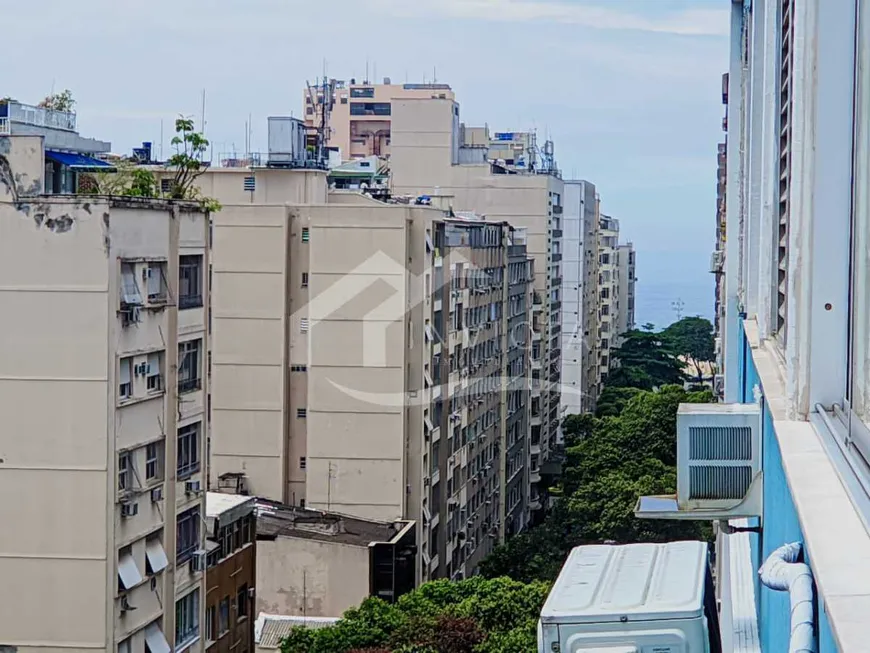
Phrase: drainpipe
[782,572]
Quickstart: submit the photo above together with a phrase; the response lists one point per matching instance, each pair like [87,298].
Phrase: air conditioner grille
[717,482]
[720,443]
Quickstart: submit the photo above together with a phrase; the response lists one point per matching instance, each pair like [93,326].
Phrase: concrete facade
[106,550]
[431,156]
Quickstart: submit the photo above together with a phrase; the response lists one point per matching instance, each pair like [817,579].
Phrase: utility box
[636,598]
[286,142]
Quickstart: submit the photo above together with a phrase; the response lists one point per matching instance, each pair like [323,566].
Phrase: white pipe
[782,572]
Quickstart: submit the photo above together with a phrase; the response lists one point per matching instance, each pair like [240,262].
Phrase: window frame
[185,450]
[187,527]
[223,628]
[187,610]
[190,277]
[154,462]
[126,460]
[190,365]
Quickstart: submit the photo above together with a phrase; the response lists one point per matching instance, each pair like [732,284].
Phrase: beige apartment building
[580,345]
[333,385]
[433,154]
[609,308]
[359,115]
[103,404]
[626,260]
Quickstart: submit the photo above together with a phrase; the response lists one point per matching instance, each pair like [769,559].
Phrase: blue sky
[628,89]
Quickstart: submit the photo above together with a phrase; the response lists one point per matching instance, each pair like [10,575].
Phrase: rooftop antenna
[366,81]
[434,75]
[202,115]
[375,71]
[678,306]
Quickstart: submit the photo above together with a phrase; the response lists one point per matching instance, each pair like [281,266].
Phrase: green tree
[692,338]
[62,101]
[613,399]
[485,616]
[617,460]
[645,360]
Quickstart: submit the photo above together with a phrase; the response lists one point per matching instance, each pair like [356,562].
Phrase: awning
[156,555]
[128,572]
[78,161]
[156,640]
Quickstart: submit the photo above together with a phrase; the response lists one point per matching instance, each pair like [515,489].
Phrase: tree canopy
[610,462]
[475,615]
[692,338]
[645,359]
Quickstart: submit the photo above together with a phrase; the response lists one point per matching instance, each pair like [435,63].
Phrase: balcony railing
[189,301]
[4,126]
[31,115]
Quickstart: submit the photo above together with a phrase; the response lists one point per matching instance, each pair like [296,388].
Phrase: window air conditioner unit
[129,508]
[192,487]
[719,472]
[156,494]
[197,561]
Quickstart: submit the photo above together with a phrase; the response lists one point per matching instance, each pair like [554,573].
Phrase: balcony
[28,114]
[4,126]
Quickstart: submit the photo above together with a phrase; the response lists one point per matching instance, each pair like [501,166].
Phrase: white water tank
[636,598]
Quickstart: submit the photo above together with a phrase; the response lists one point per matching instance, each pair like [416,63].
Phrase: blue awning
[79,161]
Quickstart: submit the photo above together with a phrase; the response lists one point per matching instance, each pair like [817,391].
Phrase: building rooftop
[275,519]
[271,629]
[217,503]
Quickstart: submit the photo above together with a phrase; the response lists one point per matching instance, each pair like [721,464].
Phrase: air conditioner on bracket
[719,472]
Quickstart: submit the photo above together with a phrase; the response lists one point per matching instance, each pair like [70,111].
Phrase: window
[210,616]
[370,108]
[305,234]
[224,616]
[363,92]
[302,462]
[188,366]
[130,295]
[301,413]
[304,279]
[242,602]
[187,618]
[188,450]
[125,471]
[125,378]
[190,281]
[153,377]
[155,556]
[154,461]
[124,646]
[155,281]
[187,535]
[129,575]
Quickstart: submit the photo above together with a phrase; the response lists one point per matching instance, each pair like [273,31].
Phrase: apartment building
[626,259]
[231,575]
[430,155]
[608,293]
[103,361]
[580,263]
[359,115]
[331,377]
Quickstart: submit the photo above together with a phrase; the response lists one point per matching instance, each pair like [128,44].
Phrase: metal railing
[4,126]
[40,117]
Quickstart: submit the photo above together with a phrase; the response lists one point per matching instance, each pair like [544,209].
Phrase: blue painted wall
[780,526]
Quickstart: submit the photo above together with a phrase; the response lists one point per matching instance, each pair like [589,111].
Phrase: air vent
[718,465]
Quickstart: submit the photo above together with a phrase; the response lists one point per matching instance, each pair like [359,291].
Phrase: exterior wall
[231,581]
[298,576]
[64,262]
[608,293]
[358,136]
[626,258]
[423,138]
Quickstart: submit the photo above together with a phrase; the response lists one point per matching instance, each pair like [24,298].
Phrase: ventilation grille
[720,462]
[785,130]
[725,443]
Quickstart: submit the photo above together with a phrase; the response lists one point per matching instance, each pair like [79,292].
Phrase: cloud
[687,22]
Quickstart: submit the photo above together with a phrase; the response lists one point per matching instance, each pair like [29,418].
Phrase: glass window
[188,449]
[125,471]
[224,616]
[242,602]
[190,281]
[189,365]
[125,378]
[154,461]
[187,534]
[210,617]
[187,618]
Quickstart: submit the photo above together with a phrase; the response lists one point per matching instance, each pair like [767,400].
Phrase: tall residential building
[359,115]
[103,304]
[626,259]
[608,293]
[580,263]
[435,155]
[334,320]
[796,327]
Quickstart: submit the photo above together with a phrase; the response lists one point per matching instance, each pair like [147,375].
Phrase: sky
[629,90]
